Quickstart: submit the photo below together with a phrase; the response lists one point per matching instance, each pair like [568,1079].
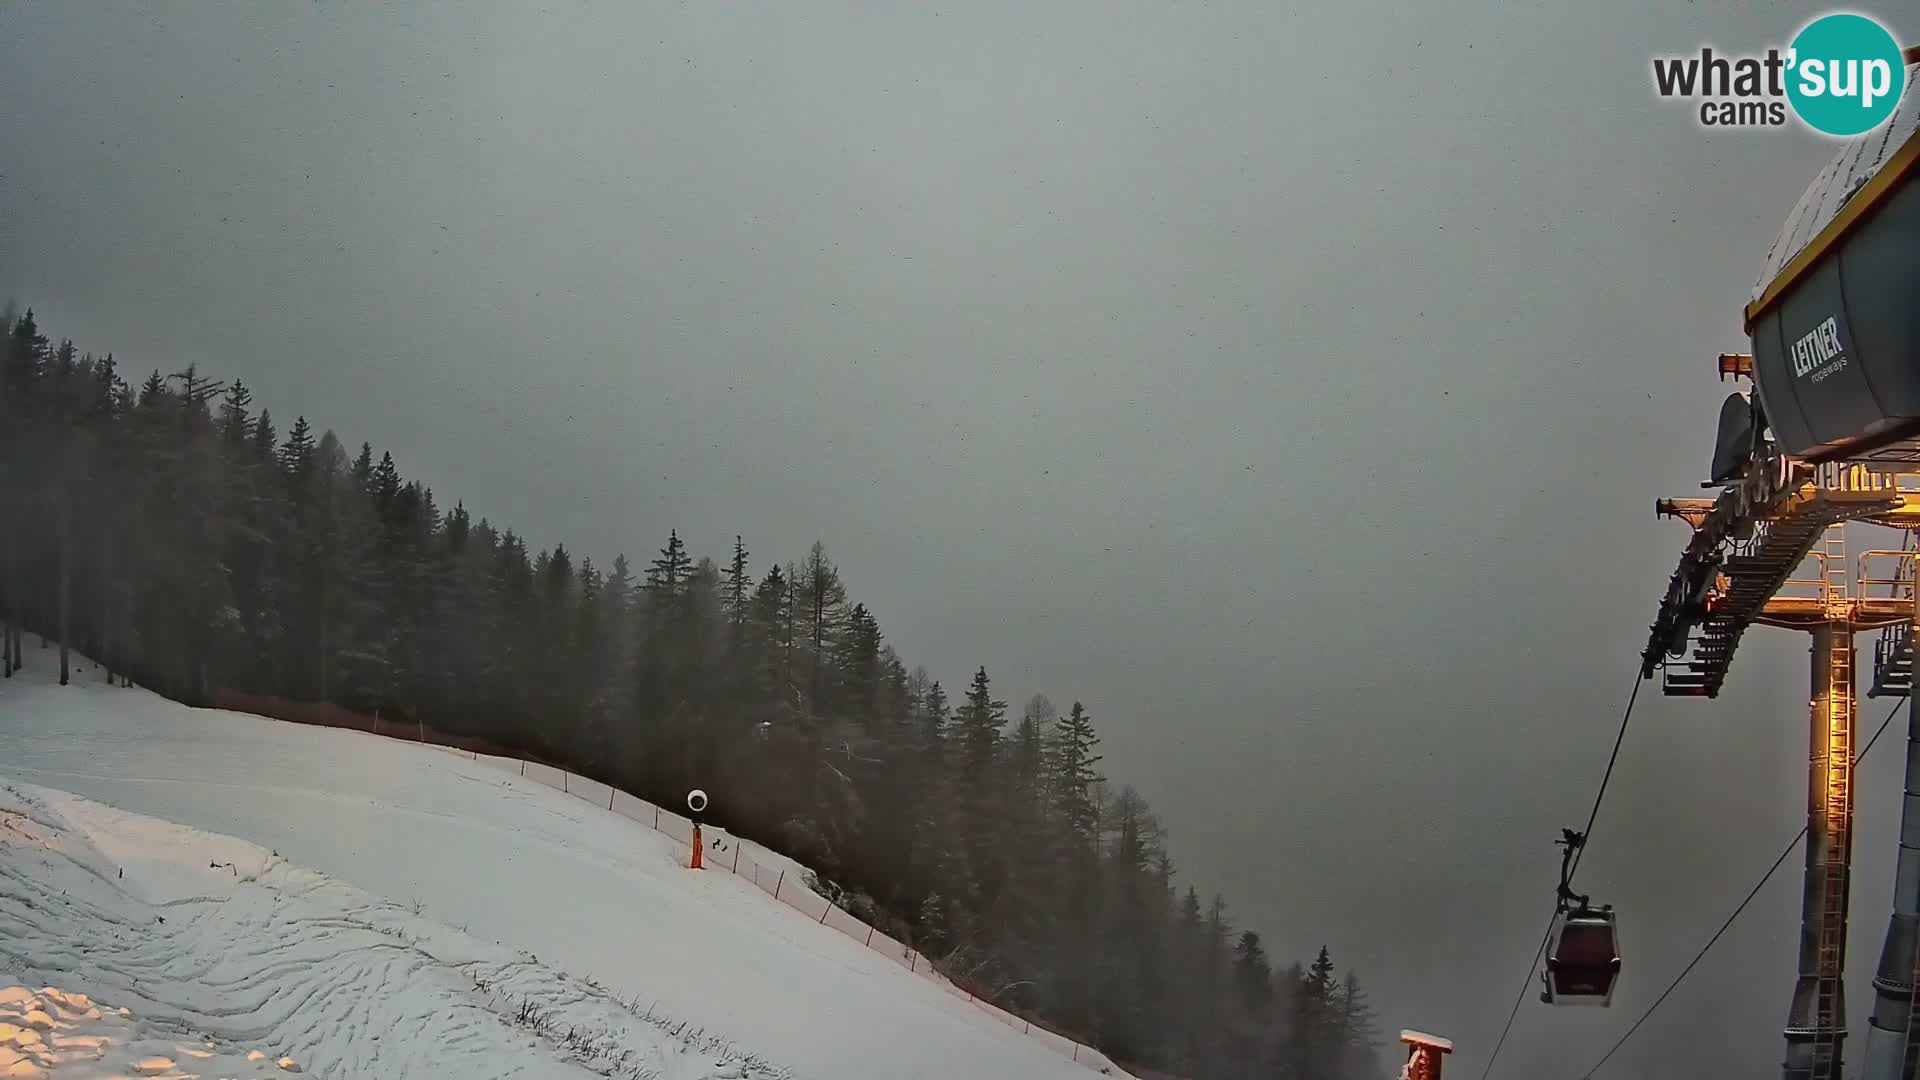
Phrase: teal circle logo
[1845,75]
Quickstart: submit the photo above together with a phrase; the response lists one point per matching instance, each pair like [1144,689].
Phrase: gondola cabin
[1583,958]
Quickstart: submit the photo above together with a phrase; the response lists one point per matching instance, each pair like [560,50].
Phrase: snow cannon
[1833,322]
[697,803]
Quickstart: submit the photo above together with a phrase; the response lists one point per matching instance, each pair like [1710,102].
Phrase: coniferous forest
[175,530]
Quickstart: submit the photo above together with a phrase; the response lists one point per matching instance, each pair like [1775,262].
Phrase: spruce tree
[667,574]
[737,590]
[978,722]
[363,471]
[1252,977]
[772,623]
[1073,775]
[233,414]
[295,455]
[264,436]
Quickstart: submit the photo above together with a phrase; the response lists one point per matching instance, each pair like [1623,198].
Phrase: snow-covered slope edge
[522,864]
[212,953]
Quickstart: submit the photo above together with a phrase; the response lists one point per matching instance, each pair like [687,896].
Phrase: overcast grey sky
[1291,386]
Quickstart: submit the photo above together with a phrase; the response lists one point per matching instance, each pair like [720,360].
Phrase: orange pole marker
[696,845]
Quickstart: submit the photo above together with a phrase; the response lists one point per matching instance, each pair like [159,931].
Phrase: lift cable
[1574,862]
[1764,878]
[1538,952]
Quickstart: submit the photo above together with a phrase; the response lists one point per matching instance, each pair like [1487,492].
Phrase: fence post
[869,937]
[656,819]
[563,779]
[913,961]
[609,798]
[523,766]
[1076,1051]
[736,855]
[780,882]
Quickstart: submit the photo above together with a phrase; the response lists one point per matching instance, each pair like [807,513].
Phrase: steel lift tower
[1829,435]
[1754,583]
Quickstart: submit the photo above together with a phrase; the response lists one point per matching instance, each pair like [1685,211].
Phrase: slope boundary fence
[726,853]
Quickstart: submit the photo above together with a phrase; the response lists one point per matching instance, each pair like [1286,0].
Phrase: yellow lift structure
[1750,545]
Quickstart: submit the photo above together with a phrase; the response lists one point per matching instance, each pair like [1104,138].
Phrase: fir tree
[1073,775]
[738,589]
[1252,977]
[233,414]
[667,575]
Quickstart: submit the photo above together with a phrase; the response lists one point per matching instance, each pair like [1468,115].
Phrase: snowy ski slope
[584,893]
[214,957]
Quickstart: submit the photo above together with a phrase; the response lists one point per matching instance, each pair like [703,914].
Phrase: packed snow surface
[51,1032]
[499,888]
[218,958]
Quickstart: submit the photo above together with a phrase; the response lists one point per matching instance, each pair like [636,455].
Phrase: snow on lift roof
[1422,1038]
[1854,165]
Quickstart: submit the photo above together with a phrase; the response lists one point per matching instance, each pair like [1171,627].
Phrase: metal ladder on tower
[1893,653]
[1839,798]
[1833,569]
[1904,588]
